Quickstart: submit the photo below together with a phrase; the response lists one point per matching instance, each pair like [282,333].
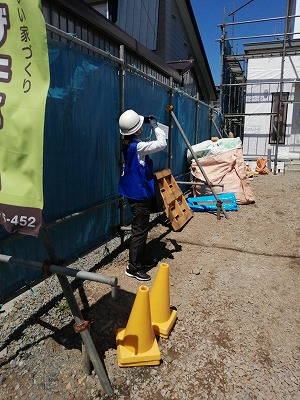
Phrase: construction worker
[137,184]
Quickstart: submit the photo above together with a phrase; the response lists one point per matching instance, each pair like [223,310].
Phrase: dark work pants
[139,230]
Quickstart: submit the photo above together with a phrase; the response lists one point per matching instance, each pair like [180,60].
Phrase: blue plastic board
[208,203]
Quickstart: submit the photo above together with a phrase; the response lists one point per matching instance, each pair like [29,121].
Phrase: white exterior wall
[259,100]
[297,20]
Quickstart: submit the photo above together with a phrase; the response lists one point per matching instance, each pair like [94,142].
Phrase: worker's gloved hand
[153,121]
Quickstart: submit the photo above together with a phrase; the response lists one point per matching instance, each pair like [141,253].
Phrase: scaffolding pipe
[219,133]
[69,295]
[280,105]
[222,70]
[257,20]
[72,38]
[89,351]
[85,335]
[257,36]
[121,162]
[16,236]
[170,141]
[219,202]
[277,51]
[281,49]
[121,60]
[198,183]
[81,213]
[243,114]
[196,119]
[244,5]
[255,83]
[57,269]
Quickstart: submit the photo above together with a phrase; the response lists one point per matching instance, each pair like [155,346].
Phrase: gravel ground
[234,283]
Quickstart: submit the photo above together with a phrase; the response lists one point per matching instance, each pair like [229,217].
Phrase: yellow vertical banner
[24,83]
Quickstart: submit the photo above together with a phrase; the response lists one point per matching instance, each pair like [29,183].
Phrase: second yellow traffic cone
[163,317]
[137,344]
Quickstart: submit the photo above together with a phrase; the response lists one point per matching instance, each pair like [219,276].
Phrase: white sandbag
[209,148]
[227,168]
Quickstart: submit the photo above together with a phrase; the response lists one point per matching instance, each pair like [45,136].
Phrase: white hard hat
[130,122]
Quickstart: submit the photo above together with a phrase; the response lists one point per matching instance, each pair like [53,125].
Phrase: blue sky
[209,14]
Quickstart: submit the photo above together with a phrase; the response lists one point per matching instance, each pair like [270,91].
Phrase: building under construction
[260,92]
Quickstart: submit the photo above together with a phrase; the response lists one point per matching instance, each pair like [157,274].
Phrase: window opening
[278,120]
[108,8]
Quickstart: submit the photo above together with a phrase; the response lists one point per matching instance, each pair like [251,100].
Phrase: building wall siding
[139,19]
[173,42]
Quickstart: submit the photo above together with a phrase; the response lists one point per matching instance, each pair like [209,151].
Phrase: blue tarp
[209,203]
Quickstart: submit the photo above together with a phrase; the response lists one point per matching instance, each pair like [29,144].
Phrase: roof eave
[202,68]
[97,20]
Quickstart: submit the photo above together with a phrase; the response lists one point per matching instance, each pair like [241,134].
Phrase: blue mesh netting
[82,155]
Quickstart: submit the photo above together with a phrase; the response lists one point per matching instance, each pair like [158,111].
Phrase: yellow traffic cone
[137,344]
[162,317]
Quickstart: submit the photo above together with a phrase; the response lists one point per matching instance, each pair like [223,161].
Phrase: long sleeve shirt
[153,146]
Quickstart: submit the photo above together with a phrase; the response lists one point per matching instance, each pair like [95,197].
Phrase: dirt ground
[235,285]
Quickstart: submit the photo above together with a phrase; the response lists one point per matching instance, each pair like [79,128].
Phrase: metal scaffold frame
[234,87]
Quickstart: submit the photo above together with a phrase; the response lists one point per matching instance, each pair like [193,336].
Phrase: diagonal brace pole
[78,317]
[217,129]
[81,326]
[209,184]
[85,335]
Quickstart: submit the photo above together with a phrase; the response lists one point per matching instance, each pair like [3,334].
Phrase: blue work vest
[137,180]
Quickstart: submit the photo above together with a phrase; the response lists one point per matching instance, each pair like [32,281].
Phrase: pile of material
[224,165]
[261,166]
